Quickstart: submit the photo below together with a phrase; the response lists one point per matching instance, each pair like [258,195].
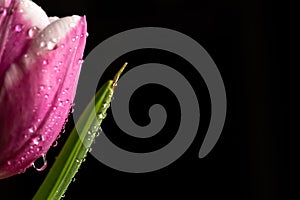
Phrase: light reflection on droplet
[18,28]
[44,164]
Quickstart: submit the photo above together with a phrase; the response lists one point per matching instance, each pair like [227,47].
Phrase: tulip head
[40,61]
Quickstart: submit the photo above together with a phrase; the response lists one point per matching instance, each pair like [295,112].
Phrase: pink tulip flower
[40,61]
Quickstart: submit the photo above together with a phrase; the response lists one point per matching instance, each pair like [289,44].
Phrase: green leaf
[78,143]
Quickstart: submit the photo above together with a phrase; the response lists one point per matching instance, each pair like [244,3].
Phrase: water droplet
[90,149]
[101,116]
[3,11]
[73,39]
[22,158]
[43,166]
[97,134]
[8,162]
[51,45]
[73,179]
[62,46]
[37,140]
[65,91]
[39,149]
[80,61]
[46,96]
[61,103]
[42,44]
[54,107]
[33,31]
[55,143]
[32,129]
[21,10]
[18,28]
[25,136]
[42,87]
[45,62]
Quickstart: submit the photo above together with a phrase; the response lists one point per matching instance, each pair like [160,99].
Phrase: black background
[248,160]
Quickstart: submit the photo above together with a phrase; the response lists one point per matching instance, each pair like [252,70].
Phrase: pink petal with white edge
[20,21]
[38,92]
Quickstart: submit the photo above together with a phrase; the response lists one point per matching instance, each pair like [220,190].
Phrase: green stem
[77,145]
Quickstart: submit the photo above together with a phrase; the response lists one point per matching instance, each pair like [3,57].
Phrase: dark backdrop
[247,162]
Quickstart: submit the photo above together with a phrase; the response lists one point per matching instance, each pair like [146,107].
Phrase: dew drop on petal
[46,96]
[60,103]
[45,62]
[42,87]
[22,158]
[3,11]
[32,129]
[33,31]
[42,44]
[37,162]
[18,28]
[37,140]
[55,143]
[8,162]
[80,61]
[51,45]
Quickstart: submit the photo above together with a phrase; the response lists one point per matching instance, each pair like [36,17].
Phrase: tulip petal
[20,21]
[41,86]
